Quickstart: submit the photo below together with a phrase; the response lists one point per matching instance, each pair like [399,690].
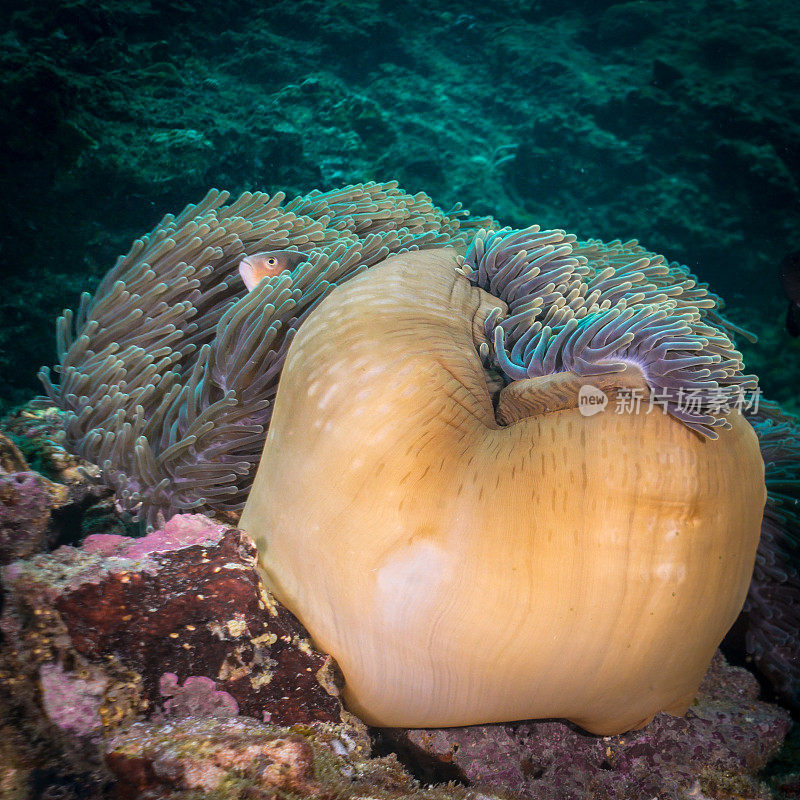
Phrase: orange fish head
[258,266]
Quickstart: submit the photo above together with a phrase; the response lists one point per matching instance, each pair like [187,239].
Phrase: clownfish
[271,262]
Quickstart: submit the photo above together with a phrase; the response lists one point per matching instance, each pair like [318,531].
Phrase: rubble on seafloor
[160,667]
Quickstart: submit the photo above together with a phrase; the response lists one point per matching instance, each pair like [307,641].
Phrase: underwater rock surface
[185,601]
[724,738]
[97,705]
[48,495]
[243,758]
[126,660]
[28,502]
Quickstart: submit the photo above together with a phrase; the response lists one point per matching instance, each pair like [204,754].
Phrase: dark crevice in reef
[68,524]
[50,784]
[91,510]
[423,766]
[734,648]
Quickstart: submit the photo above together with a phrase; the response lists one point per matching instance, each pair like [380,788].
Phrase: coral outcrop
[28,503]
[120,622]
[242,759]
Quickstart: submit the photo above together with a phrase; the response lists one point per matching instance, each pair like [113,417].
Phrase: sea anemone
[168,375]
[465,565]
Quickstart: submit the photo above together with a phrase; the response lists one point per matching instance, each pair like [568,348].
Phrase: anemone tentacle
[592,309]
[168,373]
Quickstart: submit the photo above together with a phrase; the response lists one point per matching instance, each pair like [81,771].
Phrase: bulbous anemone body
[464,571]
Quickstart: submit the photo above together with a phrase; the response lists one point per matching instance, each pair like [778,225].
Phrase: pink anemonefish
[271,262]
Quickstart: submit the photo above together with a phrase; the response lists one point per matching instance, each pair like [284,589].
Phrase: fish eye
[272,261]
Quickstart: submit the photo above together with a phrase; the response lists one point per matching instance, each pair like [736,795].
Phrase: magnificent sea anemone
[168,378]
[465,566]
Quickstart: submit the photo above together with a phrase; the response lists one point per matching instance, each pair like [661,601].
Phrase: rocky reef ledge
[159,666]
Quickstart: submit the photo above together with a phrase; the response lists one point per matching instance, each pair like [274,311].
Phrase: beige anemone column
[464,571]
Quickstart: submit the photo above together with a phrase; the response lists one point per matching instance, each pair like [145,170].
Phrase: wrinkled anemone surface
[462,571]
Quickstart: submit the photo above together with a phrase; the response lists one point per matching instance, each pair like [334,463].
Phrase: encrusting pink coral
[197,697]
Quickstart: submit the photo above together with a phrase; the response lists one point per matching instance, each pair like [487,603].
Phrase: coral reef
[672,123]
[79,502]
[675,123]
[57,499]
[37,430]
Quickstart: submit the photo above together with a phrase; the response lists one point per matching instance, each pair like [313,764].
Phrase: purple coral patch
[70,701]
[198,697]
[727,733]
